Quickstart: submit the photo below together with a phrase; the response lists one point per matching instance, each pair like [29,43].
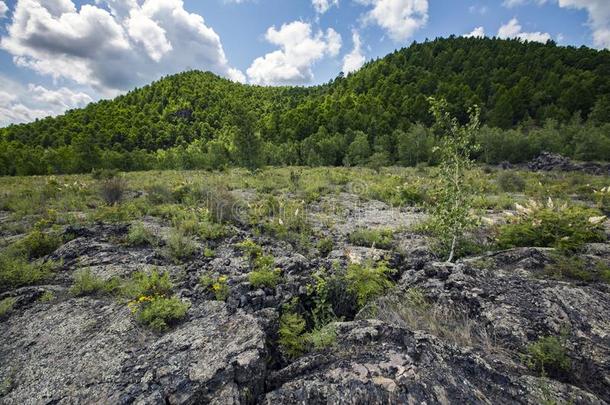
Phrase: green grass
[6,306]
[87,283]
[15,271]
[379,238]
[368,280]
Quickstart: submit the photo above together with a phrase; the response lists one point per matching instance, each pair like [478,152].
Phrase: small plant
[87,283]
[450,216]
[222,206]
[16,271]
[208,252]
[217,285]
[325,246]
[160,312]
[104,174]
[251,250]
[509,181]
[6,305]
[379,238]
[152,301]
[367,280]
[36,244]
[140,236]
[159,194]
[264,277]
[292,327]
[321,338]
[180,246]
[548,357]
[575,268]
[47,296]
[562,227]
[112,190]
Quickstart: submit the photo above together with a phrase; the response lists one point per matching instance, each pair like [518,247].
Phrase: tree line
[532,97]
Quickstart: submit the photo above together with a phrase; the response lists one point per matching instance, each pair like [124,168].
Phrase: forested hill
[533,96]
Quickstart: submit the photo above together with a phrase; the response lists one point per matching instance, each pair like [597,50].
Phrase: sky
[61,54]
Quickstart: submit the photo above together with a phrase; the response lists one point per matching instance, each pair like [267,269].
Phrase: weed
[139,235]
[160,312]
[179,246]
[292,327]
[36,244]
[47,296]
[264,277]
[87,283]
[509,181]
[16,271]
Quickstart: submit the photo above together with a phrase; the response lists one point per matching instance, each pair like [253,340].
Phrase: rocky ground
[90,349]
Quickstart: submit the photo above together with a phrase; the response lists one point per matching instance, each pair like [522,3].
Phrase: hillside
[199,120]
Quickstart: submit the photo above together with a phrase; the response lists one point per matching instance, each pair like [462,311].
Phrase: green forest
[533,97]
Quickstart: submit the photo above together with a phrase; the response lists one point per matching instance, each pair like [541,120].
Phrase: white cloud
[23,104]
[512,29]
[599,18]
[112,49]
[478,32]
[400,18]
[515,3]
[3,9]
[355,59]
[322,6]
[299,49]
[478,9]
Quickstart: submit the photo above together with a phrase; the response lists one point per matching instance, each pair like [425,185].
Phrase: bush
[140,236]
[547,225]
[159,194]
[104,174]
[379,238]
[160,312]
[367,281]
[179,246]
[36,244]
[6,305]
[264,277]
[16,272]
[112,190]
[148,284]
[292,327]
[222,206]
[509,181]
[217,285]
[325,246]
[87,283]
[152,301]
[548,357]
[321,338]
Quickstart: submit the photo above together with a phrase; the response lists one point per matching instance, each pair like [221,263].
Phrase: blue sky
[60,54]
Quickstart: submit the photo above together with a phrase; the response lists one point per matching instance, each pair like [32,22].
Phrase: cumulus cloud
[23,104]
[512,29]
[599,18]
[399,18]
[112,45]
[322,6]
[355,59]
[299,49]
[3,9]
[478,32]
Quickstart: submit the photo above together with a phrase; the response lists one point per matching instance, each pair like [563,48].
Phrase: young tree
[453,196]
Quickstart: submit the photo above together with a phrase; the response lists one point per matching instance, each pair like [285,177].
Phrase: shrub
[251,250]
[6,305]
[217,285]
[180,246]
[367,281]
[548,225]
[87,283]
[548,356]
[148,284]
[264,277]
[47,296]
[321,338]
[380,238]
[140,236]
[292,327]
[152,301]
[15,271]
[112,190]
[509,181]
[325,246]
[160,312]
[36,244]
